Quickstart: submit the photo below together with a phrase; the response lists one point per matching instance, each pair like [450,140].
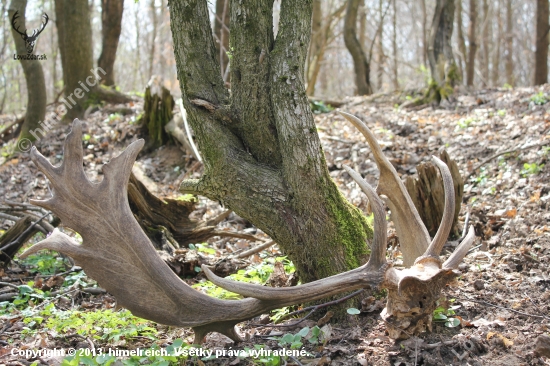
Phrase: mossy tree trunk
[443,68]
[34,76]
[262,155]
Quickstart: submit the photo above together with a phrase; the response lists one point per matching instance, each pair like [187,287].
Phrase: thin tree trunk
[315,46]
[264,159]
[485,32]
[470,68]
[380,49]
[461,40]
[222,32]
[34,77]
[360,62]
[394,47]
[440,52]
[154,21]
[111,21]
[497,50]
[509,60]
[541,52]
[424,32]
[74,33]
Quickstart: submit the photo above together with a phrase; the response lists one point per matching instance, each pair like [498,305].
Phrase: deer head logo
[30,41]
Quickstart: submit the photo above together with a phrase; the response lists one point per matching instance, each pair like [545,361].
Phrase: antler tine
[442,234]
[460,252]
[43,26]
[413,235]
[13,19]
[378,249]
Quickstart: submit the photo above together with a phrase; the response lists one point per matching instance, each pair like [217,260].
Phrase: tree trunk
[394,46]
[424,32]
[486,38]
[497,54]
[154,21]
[360,62]
[470,68]
[541,52]
[380,50]
[509,60]
[34,77]
[222,32]
[315,47]
[440,52]
[264,159]
[461,40]
[74,34]
[111,20]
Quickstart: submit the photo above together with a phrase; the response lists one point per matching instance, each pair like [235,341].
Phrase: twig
[313,309]
[255,250]
[9,285]
[232,234]
[216,220]
[503,153]
[505,308]
[22,235]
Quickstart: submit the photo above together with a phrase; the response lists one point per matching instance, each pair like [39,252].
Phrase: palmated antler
[413,292]
[119,256]
[117,253]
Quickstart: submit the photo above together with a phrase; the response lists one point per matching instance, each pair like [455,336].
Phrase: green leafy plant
[443,314]
[45,262]
[465,122]
[320,107]
[539,98]
[531,169]
[104,325]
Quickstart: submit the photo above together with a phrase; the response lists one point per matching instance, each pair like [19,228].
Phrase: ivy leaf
[353,311]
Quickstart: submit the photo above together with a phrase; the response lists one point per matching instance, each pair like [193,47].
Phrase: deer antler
[37,32]
[16,28]
[117,253]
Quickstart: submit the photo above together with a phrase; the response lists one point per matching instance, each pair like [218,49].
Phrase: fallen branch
[255,250]
[505,308]
[503,153]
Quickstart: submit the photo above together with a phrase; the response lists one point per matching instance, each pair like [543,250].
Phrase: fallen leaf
[511,213]
[482,321]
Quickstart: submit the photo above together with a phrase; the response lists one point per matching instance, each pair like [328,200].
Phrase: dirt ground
[502,298]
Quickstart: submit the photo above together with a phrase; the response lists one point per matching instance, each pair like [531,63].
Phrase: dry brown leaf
[535,197]
[511,213]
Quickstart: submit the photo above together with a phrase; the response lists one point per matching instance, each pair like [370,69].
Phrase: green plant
[318,107]
[446,315]
[46,262]
[501,112]
[104,325]
[531,169]
[539,98]
[465,122]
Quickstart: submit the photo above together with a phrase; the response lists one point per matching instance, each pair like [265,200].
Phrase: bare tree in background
[463,54]
[485,45]
[34,75]
[472,49]
[541,52]
[360,61]
[221,34]
[395,77]
[440,53]
[509,63]
[111,20]
[498,40]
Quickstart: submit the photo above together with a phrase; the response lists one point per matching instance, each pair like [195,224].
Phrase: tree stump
[164,219]
[157,112]
[427,194]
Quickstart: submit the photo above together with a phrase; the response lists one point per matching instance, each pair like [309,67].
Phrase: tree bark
[424,32]
[440,53]
[111,20]
[34,77]
[541,52]
[470,68]
[360,62]
[461,40]
[486,37]
[75,43]
[380,50]
[509,60]
[264,159]
[154,21]
[497,53]
[394,47]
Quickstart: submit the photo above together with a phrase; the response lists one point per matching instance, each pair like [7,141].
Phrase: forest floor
[495,312]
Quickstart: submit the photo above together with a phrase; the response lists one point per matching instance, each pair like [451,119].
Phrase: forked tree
[263,159]
[119,255]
